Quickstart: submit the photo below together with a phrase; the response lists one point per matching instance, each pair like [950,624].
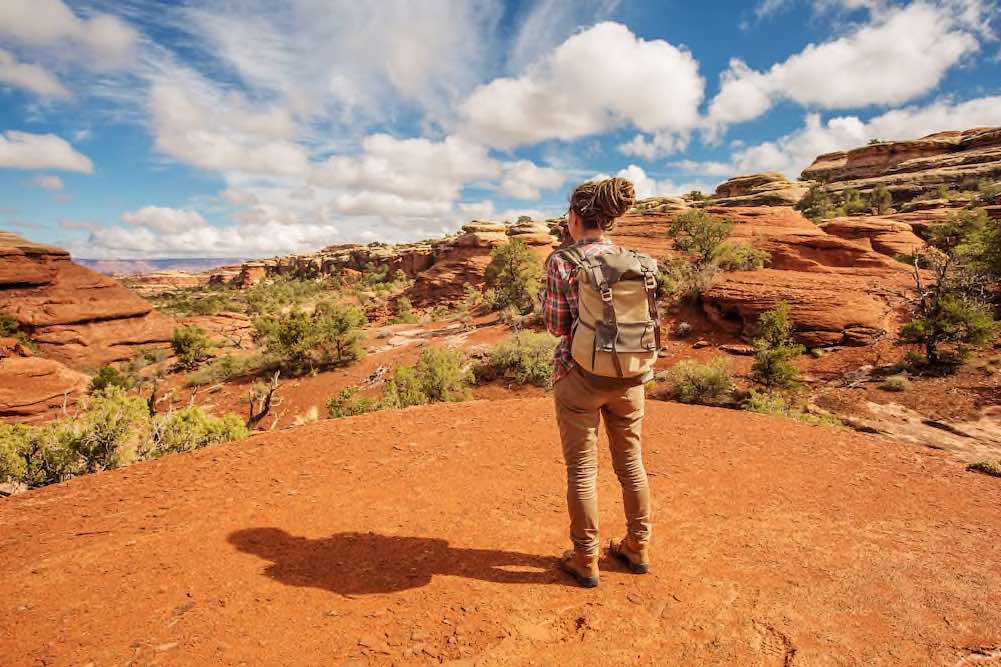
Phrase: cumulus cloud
[23,150]
[164,219]
[197,123]
[662,143]
[257,240]
[416,169]
[30,77]
[647,186]
[794,152]
[49,182]
[525,179]
[902,53]
[597,80]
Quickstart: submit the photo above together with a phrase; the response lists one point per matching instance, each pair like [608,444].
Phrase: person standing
[600,298]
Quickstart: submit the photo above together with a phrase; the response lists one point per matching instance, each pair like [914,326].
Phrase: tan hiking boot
[581,566]
[631,552]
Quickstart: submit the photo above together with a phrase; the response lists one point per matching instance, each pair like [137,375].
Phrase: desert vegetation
[109,429]
[514,276]
[701,238]
[439,375]
[951,312]
[525,358]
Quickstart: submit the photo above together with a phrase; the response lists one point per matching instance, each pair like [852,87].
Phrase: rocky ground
[428,535]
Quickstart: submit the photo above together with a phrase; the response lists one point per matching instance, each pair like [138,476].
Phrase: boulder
[75,315]
[528,228]
[659,205]
[481,239]
[826,309]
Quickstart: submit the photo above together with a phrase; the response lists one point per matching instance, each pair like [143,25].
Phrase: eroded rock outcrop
[910,169]
[766,189]
[74,315]
[32,388]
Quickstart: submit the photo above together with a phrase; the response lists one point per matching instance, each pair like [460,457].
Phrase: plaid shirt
[559,301]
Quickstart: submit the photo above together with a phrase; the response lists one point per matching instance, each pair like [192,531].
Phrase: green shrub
[527,356]
[741,257]
[854,203]
[896,383]
[515,274]
[955,320]
[682,280]
[192,428]
[339,329]
[10,327]
[698,235]
[882,200]
[443,374]
[774,349]
[990,467]
[227,367]
[106,434]
[816,204]
[703,384]
[109,376]
[767,403]
[191,345]
[404,312]
[112,429]
[404,389]
[348,402]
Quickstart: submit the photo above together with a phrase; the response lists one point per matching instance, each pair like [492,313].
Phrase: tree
[515,274]
[951,309]
[699,235]
[339,332]
[191,345]
[816,204]
[882,200]
[109,376]
[774,349]
[291,337]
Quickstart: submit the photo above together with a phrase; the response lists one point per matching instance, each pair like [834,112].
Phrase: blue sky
[245,128]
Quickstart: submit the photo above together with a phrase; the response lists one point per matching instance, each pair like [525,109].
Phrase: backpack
[617,330]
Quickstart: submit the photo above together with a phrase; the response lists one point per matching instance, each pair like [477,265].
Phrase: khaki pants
[581,401]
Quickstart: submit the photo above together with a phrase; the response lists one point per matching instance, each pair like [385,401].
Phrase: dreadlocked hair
[599,203]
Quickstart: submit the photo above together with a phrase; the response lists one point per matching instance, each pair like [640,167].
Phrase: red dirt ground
[427,535]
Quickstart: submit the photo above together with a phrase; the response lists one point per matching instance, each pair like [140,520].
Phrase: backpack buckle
[649,281]
[606,294]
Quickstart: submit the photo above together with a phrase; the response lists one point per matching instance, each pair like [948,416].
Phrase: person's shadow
[362,563]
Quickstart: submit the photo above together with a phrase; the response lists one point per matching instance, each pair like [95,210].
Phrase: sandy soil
[427,535]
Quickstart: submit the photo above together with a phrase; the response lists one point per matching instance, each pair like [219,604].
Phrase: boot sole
[584,582]
[635,568]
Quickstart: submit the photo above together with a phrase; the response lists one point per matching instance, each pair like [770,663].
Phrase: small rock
[743,350]
[699,344]
[683,329]
[166,647]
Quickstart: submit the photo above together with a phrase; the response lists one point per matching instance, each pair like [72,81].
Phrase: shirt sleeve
[555,307]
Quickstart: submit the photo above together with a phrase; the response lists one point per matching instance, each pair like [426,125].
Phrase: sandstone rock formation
[884,235]
[75,315]
[32,388]
[908,169]
[766,189]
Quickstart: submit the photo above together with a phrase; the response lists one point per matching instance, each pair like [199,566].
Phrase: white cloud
[600,79]
[418,168]
[794,152]
[348,60]
[662,143]
[23,150]
[49,182]
[487,210]
[549,22]
[107,41]
[525,180]
[707,168]
[164,219]
[902,53]
[197,123]
[646,186]
[35,78]
[258,240]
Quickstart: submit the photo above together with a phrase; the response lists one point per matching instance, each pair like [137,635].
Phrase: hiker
[601,298]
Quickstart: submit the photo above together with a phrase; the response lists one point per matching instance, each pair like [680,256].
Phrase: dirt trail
[427,535]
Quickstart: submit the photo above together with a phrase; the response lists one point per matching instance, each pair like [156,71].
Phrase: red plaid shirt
[559,300]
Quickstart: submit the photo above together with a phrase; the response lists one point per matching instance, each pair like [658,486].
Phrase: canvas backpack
[617,330]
